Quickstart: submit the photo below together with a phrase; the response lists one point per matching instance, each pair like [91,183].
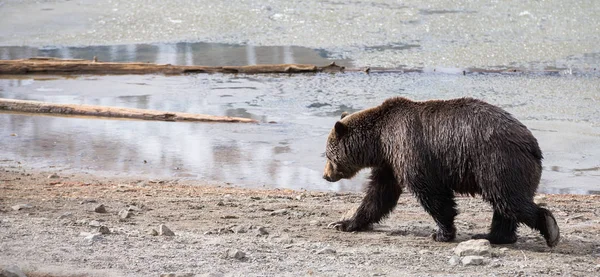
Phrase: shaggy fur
[437,149]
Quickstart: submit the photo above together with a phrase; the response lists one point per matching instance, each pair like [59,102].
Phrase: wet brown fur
[436,149]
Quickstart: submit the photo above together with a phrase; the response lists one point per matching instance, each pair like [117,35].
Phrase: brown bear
[436,149]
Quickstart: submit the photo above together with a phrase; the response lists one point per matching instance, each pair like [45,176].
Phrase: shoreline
[281,232]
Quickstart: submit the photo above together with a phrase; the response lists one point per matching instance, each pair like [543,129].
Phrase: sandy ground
[52,236]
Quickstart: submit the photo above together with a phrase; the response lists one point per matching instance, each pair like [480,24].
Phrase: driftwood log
[60,66]
[25,106]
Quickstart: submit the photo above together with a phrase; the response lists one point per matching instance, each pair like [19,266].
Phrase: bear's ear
[340,129]
[344,114]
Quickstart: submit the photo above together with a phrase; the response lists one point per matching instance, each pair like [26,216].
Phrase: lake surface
[562,112]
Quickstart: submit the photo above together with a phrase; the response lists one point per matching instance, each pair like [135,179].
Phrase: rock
[100,209]
[472,260]
[454,260]
[474,247]
[53,176]
[21,207]
[94,237]
[163,230]
[424,252]
[86,201]
[65,215]
[229,216]
[326,250]
[153,232]
[240,229]
[315,223]
[540,200]
[104,230]
[125,214]
[279,212]
[12,271]
[94,223]
[235,254]
[262,231]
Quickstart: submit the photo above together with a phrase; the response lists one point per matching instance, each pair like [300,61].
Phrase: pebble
[86,201]
[153,232]
[279,212]
[240,229]
[53,176]
[315,223]
[65,215]
[12,271]
[21,207]
[103,230]
[424,252]
[262,231]
[326,250]
[163,230]
[472,260]
[235,254]
[474,247]
[177,275]
[125,214]
[94,237]
[94,223]
[100,209]
[229,217]
[454,260]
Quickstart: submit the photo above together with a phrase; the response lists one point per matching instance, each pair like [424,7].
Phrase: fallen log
[45,65]
[26,106]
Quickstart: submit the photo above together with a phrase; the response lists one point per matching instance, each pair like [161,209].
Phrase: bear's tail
[548,227]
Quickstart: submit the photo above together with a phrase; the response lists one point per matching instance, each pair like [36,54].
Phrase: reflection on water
[561,111]
[182,53]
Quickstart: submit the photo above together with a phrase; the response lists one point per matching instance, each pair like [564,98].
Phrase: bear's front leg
[382,196]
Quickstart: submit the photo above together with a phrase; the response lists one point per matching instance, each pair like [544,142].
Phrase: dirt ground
[228,231]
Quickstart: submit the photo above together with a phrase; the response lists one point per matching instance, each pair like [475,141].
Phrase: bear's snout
[329,173]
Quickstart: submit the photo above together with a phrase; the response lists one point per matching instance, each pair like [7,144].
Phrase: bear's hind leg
[441,206]
[542,220]
[503,230]
[382,196]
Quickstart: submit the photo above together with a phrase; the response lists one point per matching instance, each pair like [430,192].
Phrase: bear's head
[349,148]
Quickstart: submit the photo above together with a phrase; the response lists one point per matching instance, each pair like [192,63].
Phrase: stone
[474,247]
[262,231]
[94,223]
[53,176]
[424,252]
[454,260]
[326,250]
[125,214]
[153,232]
[163,230]
[315,223]
[103,230]
[12,271]
[235,254]
[21,207]
[472,260]
[240,229]
[65,215]
[94,237]
[279,212]
[100,209]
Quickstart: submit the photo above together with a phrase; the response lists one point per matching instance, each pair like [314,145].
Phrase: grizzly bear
[436,149]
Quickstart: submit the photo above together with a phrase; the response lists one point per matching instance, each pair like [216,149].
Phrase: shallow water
[181,53]
[562,111]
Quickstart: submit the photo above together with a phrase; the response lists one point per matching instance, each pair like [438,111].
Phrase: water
[562,111]
[181,53]
[376,33]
